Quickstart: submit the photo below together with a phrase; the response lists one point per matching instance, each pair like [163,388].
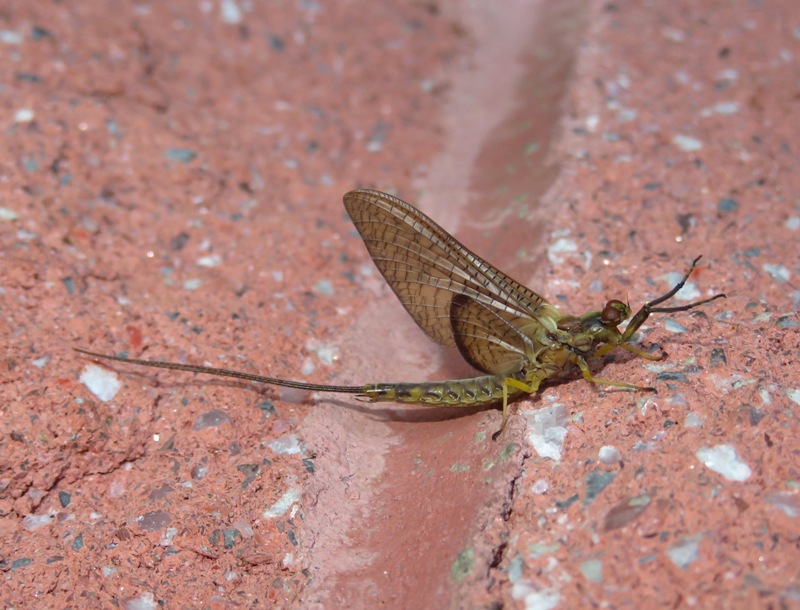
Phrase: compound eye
[614,312]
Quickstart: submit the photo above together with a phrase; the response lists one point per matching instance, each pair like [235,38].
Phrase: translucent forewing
[427,268]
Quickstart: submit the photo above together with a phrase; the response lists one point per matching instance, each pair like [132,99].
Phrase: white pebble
[687,143]
[723,460]
[101,382]
[282,504]
[609,455]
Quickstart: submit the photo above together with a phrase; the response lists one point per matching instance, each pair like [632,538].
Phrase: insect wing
[426,267]
[485,338]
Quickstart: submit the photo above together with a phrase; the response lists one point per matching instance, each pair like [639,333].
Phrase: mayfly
[501,328]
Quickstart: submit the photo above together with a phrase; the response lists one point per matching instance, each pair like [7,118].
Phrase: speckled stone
[172,182]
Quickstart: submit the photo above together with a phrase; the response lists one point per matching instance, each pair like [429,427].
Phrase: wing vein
[427,268]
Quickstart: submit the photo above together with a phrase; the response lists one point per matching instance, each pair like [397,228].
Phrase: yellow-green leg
[633,350]
[587,375]
[628,348]
[517,385]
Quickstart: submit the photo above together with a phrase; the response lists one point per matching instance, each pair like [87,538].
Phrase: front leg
[587,375]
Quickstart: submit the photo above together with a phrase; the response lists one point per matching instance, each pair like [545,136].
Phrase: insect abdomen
[478,391]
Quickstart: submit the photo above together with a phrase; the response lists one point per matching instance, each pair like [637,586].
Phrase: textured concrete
[171,188]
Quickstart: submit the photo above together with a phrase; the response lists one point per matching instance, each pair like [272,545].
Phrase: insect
[501,328]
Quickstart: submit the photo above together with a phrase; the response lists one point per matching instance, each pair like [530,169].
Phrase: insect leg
[505,412]
[510,382]
[634,350]
[587,375]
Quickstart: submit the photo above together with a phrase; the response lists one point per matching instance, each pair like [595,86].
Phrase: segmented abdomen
[477,391]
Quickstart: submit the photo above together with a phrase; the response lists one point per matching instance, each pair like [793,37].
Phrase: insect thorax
[583,336]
